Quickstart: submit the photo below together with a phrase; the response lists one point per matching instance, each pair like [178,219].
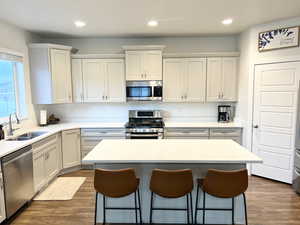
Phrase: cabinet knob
[255,126]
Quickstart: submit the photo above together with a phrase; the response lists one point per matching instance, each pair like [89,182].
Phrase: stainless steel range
[145,124]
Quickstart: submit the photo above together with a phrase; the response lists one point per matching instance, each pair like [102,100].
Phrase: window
[12,87]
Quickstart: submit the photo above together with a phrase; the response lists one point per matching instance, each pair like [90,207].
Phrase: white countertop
[170,151]
[7,147]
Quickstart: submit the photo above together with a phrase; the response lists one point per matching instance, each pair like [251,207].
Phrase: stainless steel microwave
[144,90]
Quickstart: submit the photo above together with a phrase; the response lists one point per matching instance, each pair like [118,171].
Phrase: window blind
[10,57]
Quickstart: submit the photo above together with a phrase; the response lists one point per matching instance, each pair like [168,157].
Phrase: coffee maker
[225,113]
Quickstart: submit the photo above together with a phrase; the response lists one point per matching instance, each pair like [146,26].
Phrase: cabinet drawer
[223,132]
[41,145]
[236,139]
[186,132]
[90,141]
[97,132]
[186,137]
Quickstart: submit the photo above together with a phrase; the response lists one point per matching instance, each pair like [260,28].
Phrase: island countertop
[170,151]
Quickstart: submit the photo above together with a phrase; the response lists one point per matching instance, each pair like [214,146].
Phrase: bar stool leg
[151,204]
[203,207]
[104,208]
[232,211]
[245,209]
[196,207]
[191,198]
[96,203]
[187,209]
[135,210]
[140,209]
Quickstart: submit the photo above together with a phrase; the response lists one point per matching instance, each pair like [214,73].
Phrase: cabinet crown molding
[47,45]
[200,54]
[143,47]
[98,56]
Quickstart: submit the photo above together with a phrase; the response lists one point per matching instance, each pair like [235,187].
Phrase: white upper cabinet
[222,79]
[184,80]
[144,64]
[77,80]
[50,67]
[98,80]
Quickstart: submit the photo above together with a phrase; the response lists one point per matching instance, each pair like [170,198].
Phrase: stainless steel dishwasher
[18,179]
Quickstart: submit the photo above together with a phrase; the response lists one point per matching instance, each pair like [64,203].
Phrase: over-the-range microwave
[144,90]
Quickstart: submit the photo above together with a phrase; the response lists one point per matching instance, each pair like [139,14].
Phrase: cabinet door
[196,80]
[152,65]
[214,79]
[39,176]
[51,162]
[173,88]
[229,79]
[60,61]
[2,200]
[134,65]
[115,81]
[94,78]
[71,148]
[77,80]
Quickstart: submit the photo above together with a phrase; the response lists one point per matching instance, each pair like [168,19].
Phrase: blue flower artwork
[279,38]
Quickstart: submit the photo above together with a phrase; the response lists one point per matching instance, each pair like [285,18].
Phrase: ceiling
[129,17]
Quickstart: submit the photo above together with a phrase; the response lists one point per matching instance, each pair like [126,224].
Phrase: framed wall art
[279,38]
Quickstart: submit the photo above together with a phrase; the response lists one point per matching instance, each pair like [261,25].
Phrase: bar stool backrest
[225,184]
[171,183]
[115,183]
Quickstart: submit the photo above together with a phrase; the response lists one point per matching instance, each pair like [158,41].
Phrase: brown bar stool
[116,184]
[172,184]
[223,184]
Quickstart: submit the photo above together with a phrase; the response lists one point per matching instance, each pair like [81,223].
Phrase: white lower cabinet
[91,137]
[71,148]
[45,161]
[234,134]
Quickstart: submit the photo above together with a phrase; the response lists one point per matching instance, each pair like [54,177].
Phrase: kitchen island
[146,155]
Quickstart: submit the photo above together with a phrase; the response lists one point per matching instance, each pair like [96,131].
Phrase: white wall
[119,112]
[16,39]
[173,44]
[249,56]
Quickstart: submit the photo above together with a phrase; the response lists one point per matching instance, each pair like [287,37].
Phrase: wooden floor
[269,203]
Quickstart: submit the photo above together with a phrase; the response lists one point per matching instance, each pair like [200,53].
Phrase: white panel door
[196,80]
[173,88]
[77,80]
[115,81]
[39,176]
[51,161]
[214,79]
[71,148]
[60,62]
[134,65]
[94,78]
[274,119]
[152,65]
[229,79]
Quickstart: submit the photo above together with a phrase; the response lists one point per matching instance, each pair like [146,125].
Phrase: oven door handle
[143,135]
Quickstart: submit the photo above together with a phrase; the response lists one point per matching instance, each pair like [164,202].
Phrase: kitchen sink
[27,136]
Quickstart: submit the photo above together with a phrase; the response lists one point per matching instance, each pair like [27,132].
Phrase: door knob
[255,126]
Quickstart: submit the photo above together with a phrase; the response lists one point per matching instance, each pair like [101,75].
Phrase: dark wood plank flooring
[269,203]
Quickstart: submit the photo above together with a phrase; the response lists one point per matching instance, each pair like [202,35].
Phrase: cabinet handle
[222,95]
[102,97]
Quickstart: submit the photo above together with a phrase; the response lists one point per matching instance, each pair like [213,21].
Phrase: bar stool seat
[172,184]
[117,184]
[223,184]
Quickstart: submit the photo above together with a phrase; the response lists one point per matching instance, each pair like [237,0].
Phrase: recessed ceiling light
[152,23]
[79,23]
[227,21]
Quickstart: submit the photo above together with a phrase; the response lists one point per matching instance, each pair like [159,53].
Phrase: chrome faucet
[10,128]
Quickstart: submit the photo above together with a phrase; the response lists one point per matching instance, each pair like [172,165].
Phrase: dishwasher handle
[16,155]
